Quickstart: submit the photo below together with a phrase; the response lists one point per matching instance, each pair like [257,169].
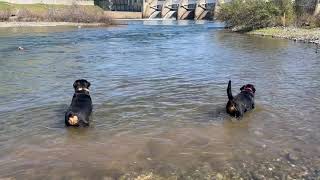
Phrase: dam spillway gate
[165,9]
[179,9]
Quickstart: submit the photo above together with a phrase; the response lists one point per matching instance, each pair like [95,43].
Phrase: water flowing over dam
[180,9]
[166,9]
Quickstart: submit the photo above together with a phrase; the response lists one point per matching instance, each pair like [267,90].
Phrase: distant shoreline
[30,15]
[48,24]
[295,34]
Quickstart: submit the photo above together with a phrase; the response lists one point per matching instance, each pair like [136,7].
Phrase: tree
[286,10]
[305,6]
[317,8]
[248,15]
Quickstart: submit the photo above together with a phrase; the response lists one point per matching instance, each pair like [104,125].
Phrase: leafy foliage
[250,14]
[246,15]
[286,11]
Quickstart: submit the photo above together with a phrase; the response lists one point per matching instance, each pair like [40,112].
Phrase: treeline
[247,15]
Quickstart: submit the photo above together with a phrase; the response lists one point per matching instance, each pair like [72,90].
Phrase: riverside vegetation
[278,18]
[52,13]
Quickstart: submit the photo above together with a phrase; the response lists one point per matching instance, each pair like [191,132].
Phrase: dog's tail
[229,91]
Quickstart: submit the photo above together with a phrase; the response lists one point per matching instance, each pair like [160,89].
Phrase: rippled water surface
[159,94]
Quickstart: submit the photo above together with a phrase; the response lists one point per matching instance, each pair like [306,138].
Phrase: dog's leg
[239,115]
[239,112]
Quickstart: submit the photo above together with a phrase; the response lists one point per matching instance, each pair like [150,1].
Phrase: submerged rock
[258,176]
[292,157]
[219,176]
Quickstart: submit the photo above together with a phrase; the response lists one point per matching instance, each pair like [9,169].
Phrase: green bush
[286,8]
[250,14]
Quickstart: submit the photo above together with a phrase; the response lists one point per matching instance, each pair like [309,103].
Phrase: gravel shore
[296,34]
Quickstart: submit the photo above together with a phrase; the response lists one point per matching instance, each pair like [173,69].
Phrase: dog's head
[81,85]
[248,88]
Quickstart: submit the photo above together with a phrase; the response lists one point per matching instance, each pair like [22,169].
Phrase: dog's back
[81,106]
[241,103]
[80,110]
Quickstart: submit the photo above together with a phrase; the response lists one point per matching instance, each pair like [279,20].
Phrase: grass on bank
[249,15]
[53,13]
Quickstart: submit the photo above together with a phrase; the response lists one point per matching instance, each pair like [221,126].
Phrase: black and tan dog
[81,105]
[242,102]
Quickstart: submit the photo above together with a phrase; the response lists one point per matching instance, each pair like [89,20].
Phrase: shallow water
[159,94]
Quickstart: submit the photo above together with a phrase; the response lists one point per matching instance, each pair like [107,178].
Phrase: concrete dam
[165,9]
[180,9]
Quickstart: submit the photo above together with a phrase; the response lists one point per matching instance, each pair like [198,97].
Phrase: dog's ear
[253,89]
[76,84]
[242,88]
[88,84]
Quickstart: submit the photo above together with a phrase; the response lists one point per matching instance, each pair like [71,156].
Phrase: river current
[159,95]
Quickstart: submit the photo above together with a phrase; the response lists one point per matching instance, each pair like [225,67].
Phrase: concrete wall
[123,15]
[65,2]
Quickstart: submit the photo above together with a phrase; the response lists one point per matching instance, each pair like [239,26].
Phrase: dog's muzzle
[248,90]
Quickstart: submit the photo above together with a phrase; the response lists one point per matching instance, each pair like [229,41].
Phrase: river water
[159,95]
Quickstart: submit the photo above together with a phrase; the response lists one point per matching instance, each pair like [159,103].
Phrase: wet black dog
[242,102]
[81,105]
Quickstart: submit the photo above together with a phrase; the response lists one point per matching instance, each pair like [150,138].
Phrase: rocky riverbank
[288,164]
[296,34]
